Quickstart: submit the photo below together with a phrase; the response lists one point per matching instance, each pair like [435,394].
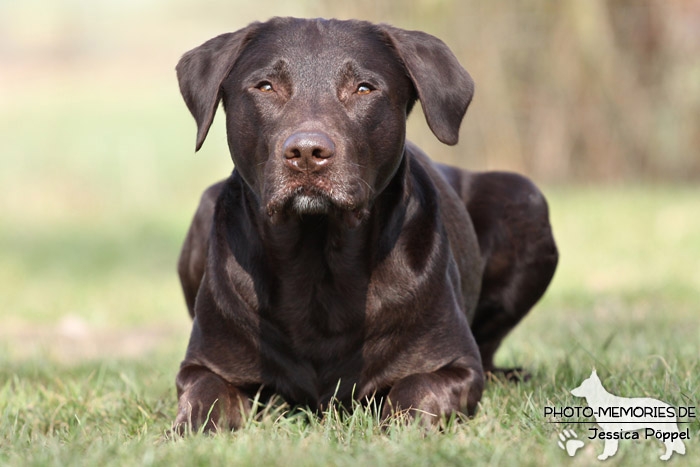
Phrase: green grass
[93,323]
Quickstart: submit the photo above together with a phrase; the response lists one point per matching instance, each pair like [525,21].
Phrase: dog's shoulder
[458,225]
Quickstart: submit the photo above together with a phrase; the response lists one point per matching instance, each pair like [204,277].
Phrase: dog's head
[316,109]
[588,387]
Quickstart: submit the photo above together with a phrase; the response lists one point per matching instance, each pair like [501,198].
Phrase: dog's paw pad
[569,443]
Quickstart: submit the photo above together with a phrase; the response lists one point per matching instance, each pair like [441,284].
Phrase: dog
[338,262]
[614,425]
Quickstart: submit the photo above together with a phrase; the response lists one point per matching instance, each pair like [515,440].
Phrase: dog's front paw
[207,402]
[429,396]
[410,399]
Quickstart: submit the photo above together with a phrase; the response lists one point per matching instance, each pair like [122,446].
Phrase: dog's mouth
[304,204]
[310,200]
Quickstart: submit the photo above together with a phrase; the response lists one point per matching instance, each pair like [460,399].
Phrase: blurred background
[597,101]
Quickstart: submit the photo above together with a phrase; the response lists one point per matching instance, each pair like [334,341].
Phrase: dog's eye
[265,86]
[364,88]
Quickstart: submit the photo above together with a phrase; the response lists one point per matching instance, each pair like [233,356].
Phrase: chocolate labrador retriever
[337,259]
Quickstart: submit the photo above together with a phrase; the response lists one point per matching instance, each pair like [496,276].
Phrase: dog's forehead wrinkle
[319,56]
[321,43]
[280,66]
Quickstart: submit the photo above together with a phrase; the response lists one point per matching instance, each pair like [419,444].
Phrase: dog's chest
[318,313]
[322,318]
[319,290]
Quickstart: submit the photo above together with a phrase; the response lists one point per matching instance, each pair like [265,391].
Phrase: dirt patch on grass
[72,339]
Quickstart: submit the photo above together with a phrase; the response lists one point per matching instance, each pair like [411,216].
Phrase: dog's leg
[609,449]
[511,220]
[206,400]
[669,451]
[190,266]
[429,396]
[672,446]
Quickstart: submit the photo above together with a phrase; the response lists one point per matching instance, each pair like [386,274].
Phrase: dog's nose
[308,151]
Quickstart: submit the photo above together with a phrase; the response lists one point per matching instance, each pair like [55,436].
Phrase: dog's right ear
[201,71]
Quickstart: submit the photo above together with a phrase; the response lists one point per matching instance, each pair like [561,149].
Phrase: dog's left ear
[201,71]
[445,89]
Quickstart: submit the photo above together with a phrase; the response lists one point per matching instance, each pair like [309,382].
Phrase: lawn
[93,326]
